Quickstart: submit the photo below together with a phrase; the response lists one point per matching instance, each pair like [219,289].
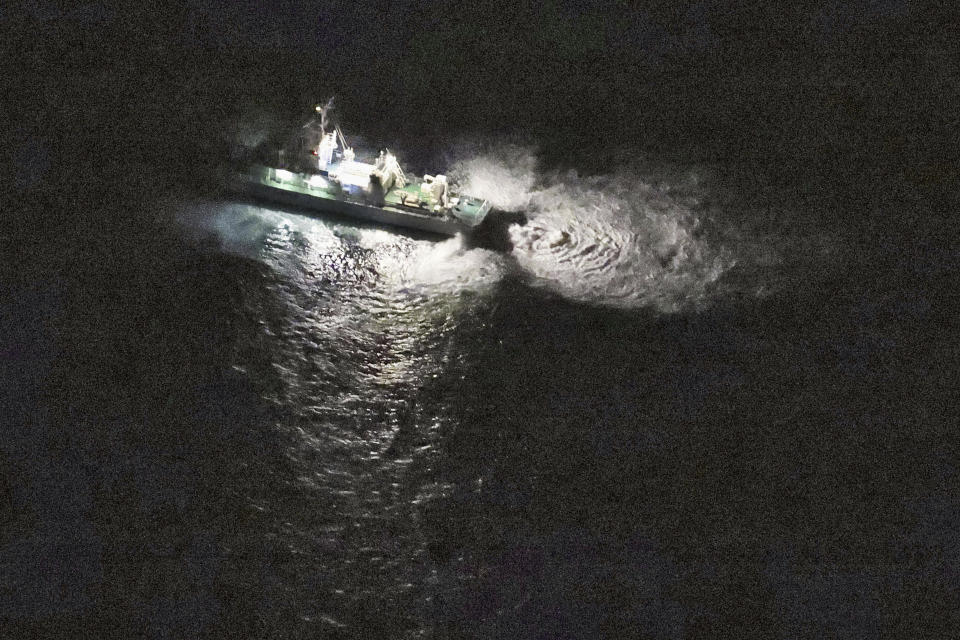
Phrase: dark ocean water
[668,412]
[709,393]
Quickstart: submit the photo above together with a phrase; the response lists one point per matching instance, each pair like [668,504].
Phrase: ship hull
[393,216]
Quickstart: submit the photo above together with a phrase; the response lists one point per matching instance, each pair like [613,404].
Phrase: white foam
[615,240]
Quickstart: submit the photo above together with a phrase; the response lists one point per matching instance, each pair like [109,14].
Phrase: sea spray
[620,239]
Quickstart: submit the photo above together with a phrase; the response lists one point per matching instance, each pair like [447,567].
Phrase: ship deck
[295,189]
[468,211]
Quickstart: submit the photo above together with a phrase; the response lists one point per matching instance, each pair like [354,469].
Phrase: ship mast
[343,141]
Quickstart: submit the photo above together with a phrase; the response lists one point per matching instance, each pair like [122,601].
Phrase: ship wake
[620,240]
